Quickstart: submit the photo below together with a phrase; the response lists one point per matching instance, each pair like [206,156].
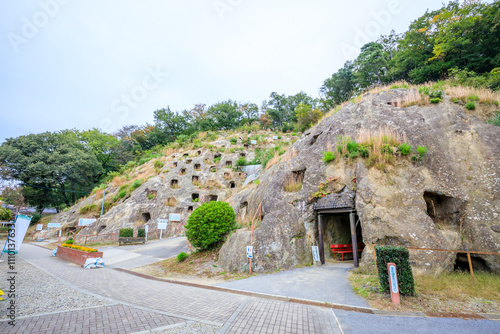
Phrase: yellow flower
[1,293]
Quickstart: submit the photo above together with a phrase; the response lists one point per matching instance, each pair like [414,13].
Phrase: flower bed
[77,254]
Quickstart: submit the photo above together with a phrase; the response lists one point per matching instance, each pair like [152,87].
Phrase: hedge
[141,233]
[399,256]
[126,233]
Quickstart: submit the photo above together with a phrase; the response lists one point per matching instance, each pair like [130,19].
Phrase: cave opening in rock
[185,155]
[198,153]
[102,227]
[190,208]
[245,145]
[174,184]
[212,198]
[188,161]
[197,166]
[183,171]
[232,185]
[478,264]
[195,178]
[442,209]
[229,163]
[174,164]
[195,197]
[242,155]
[145,217]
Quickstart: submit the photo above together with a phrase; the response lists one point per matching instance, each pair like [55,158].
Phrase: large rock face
[450,200]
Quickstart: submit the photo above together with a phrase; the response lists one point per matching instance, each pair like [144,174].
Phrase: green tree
[371,64]
[54,167]
[224,115]
[307,116]
[169,123]
[103,145]
[340,87]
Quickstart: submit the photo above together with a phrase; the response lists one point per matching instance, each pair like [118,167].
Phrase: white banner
[53,225]
[16,235]
[86,221]
[175,217]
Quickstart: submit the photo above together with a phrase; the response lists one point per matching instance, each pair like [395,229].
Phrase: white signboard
[394,279]
[53,225]
[86,221]
[162,224]
[275,137]
[174,217]
[39,227]
[253,142]
[315,252]
[249,252]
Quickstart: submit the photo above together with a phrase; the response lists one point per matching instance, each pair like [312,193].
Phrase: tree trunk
[376,72]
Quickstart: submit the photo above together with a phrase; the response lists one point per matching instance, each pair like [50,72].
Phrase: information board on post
[393,283]
[162,224]
[86,221]
[39,227]
[249,252]
[174,217]
[253,142]
[53,225]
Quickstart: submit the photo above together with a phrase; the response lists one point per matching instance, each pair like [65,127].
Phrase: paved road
[140,304]
[133,256]
[326,284]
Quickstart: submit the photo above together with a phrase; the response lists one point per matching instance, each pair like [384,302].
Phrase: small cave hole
[442,209]
[478,264]
[145,217]
[174,184]
[197,166]
[198,153]
[212,198]
[185,155]
[245,145]
[229,163]
[174,164]
[242,155]
[213,169]
[183,171]
[232,185]
[102,227]
[314,138]
[171,201]
[195,197]
[190,208]
[195,178]
[188,161]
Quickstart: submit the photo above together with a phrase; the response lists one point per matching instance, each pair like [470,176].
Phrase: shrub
[209,224]
[5,214]
[404,148]
[436,94]
[141,233]
[399,256]
[352,146]
[136,184]
[241,162]
[422,151]
[158,164]
[471,105]
[181,256]
[495,120]
[233,141]
[328,156]
[35,218]
[363,151]
[69,241]
[435,100]
[122,194]
[126,233]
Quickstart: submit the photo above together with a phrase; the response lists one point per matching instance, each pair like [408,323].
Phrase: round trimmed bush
[209,224]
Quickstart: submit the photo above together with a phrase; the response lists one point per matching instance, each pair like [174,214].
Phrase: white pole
[161,231]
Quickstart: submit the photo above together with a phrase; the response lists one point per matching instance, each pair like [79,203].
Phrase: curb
[478,316]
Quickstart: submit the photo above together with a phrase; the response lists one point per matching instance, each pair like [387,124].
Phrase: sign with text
[86,221]
[275,137]
[53,225]
[393,283]
[162,224]
[249,252]
[253,142]
[315,252]
[174,217]
[39,227]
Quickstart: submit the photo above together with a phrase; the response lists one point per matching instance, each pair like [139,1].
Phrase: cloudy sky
[84,64]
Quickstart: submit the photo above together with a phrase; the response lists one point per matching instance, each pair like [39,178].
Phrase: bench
[129,240]
[345,249]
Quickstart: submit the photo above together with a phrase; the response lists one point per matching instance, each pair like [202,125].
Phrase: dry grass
[453,292]
[171,201]
[273,161]
[378,143]
[293,183]
[486,96]
[119,181]
[413,98]
[289,154]
[213,184]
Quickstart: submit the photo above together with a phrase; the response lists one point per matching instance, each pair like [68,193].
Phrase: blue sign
[55,225]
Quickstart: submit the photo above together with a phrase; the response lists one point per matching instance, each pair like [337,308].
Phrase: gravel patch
[192,328]
[37,292]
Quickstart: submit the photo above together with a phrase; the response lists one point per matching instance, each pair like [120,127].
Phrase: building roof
[340,201]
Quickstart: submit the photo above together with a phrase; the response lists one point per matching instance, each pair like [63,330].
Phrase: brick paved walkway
[144,304]
[107,319]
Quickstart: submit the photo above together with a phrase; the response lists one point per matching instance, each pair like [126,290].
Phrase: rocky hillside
[449,199]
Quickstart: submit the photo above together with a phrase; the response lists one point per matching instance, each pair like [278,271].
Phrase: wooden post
[320,241]
[470,267]
[354,239]
[375,258]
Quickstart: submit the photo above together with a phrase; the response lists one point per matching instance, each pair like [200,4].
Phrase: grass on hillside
[454,292]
